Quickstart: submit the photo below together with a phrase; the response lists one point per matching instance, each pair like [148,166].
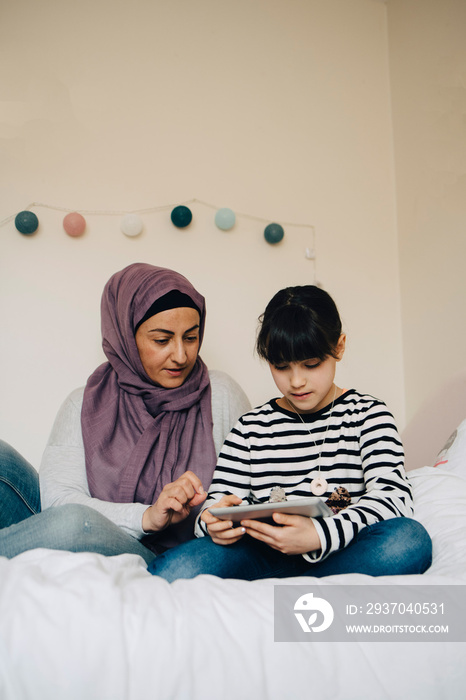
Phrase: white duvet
[84,627]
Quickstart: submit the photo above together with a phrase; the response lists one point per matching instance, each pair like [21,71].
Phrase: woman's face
[168,344]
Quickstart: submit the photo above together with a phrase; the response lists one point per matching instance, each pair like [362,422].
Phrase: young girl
[316,439]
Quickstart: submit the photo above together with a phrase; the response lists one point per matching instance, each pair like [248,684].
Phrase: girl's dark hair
[298,324]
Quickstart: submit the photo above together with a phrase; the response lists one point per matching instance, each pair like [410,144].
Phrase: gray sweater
[62,472]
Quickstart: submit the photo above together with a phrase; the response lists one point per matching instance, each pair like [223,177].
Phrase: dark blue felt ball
[273,233]
[26,222]
[181,216]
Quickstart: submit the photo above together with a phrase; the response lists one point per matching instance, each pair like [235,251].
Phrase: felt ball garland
[132,225]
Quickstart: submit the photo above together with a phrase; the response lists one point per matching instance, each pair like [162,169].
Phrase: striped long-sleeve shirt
[356,445]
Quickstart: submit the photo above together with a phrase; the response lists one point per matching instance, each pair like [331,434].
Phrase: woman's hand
[297,534]
[174,503]
[222,531]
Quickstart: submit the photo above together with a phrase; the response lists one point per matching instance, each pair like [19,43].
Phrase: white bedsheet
[84,627]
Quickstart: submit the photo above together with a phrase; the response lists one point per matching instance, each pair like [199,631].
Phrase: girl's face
[308,385]
[168,344]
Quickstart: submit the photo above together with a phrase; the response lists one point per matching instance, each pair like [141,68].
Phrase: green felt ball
[26,222]
[273,233]
[181,216]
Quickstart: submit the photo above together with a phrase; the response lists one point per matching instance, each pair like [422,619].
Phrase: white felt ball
[131,225]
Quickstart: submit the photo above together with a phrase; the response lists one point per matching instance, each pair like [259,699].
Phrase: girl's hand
[222,531]
[174,503]
[297,534]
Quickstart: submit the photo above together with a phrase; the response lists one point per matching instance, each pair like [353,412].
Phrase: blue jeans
[19,487]
[73,527]
[387,548]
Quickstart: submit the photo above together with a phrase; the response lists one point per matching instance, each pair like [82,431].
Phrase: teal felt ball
[273,233]
[181,216]
[26,222]
[225,219]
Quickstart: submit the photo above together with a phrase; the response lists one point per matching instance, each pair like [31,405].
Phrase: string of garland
[74,222]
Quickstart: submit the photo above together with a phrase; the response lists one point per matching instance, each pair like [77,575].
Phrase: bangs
[293,336]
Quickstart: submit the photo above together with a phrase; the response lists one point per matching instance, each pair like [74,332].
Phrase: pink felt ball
[74,224]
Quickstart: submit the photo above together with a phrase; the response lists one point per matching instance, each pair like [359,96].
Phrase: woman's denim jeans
[73,527]
[390,547]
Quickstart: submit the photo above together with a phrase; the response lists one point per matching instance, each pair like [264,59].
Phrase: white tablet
[313,507]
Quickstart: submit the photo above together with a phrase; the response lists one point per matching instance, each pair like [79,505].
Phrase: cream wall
[279,109]
[428,86]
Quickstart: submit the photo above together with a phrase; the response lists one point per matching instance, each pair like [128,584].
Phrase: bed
[85,627]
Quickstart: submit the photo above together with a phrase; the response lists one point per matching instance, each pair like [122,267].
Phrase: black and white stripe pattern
[361,450]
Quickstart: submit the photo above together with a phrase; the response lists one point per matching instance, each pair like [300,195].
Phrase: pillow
[440,505]
[452,456]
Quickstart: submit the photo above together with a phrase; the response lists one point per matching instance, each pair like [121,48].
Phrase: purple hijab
[138,436]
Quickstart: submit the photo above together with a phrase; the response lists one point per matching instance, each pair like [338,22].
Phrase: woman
[131,456]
